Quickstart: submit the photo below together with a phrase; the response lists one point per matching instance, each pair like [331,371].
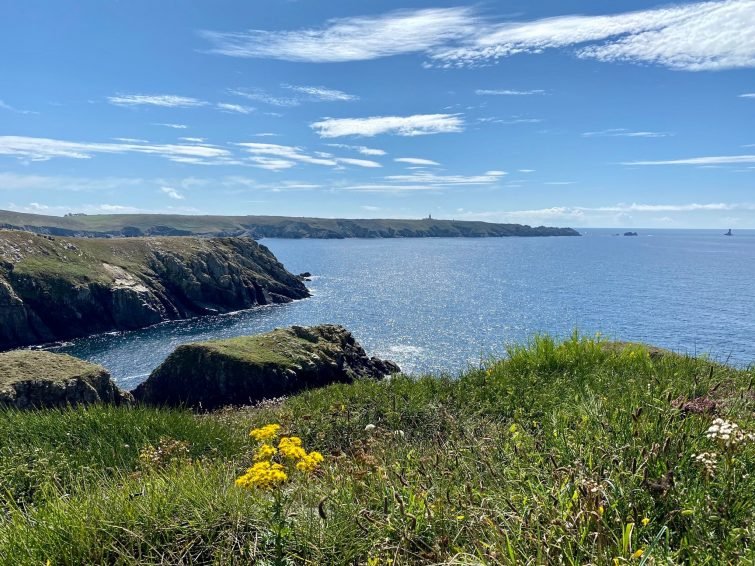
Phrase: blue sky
[576,113]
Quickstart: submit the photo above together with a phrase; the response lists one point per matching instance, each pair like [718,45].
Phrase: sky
[568,113]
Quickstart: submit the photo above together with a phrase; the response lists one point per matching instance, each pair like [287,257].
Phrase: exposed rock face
[247,369]
[35,379]
[62,288]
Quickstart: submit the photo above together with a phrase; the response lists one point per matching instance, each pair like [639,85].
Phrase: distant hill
[126,225]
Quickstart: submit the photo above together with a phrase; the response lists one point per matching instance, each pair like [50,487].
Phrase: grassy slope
[25,365]
[548,456]
[208,225]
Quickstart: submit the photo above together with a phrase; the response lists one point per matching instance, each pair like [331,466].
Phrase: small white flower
[370,427]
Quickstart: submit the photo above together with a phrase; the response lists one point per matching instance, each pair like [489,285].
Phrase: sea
[442,305]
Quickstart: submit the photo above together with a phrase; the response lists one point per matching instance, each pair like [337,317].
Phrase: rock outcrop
[61,288]
[40,380]
[244,370]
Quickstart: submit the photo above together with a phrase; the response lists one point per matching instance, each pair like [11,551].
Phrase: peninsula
[54,288]
[125,225]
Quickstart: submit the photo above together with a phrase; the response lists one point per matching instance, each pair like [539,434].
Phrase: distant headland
[129,225]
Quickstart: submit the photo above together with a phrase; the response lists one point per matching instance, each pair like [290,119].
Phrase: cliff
[247,369]
[35,380]
[61,288]
[120,225]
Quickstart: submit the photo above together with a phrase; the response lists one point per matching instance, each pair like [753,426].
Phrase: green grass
[556,454]
[25,365]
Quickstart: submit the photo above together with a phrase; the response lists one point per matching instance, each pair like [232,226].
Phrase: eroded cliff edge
[55,288]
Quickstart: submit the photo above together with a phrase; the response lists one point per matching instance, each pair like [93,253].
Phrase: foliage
[572,452]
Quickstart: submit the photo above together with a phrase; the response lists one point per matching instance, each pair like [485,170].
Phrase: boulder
[248,369]
[40,380]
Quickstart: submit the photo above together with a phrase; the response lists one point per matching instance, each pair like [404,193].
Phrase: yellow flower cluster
[290,447]
[268,474]
[264,475]
[309,462]
[267,432]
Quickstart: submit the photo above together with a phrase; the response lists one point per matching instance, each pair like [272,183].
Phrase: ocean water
[441,305]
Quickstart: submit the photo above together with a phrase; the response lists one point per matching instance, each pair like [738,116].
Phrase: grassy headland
[566,452]
[263,226]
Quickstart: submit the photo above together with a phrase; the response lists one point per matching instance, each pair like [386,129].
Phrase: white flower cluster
[708,461]
[727,433]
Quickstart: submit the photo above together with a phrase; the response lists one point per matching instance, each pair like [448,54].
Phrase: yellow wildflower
[263,475]
[645,522]
[309,462]
[264,452]
[601,510]
[638,553]
[267,432]
[290,447]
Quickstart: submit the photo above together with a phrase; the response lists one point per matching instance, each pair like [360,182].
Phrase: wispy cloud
[163,100]
[747,95]
[417,125]
[174,126]
[6,106]
[275,157]
[624,133]
[358,162]
[238,108]
[18,182]
[323,94]
[712,160]
[259,95]
[424,181]
[172,193]
[360,148]
[43,149]
[415,161]
[494,92]
[709,35]
[351,39]
[193,140]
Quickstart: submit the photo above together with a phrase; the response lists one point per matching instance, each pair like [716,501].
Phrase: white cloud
[747,95]
[259,95]
[699,36]
[192,140]
[713,160]
[509,121]
[358,162]
[172,193]
[43,149]
[163,100]
[360,148]
[174,126]
[5,106]
[351,39]
[624,133]
[239,108]
[322,93]
[494,92]
[416,161]
[526,170]
[693,37]
[131,140]
[426,178]
[276,157]
[419,124]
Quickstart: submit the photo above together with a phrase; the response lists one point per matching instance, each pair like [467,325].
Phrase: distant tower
[429,216]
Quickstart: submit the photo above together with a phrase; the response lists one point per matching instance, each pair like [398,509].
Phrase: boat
[729,233]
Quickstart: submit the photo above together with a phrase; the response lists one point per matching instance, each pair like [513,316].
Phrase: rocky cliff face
[37,380]
[62,288]
[247,369]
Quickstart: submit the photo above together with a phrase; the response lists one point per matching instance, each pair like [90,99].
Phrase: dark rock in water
[61,288]
[631,234]
[305,275]
[239,371]
[37,379]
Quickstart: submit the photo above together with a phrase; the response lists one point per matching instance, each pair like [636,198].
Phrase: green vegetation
[264,226]
[568,452]
[23,365]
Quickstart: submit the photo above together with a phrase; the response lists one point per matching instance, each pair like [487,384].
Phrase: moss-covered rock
[37,379]
[247,369]
[62,288]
